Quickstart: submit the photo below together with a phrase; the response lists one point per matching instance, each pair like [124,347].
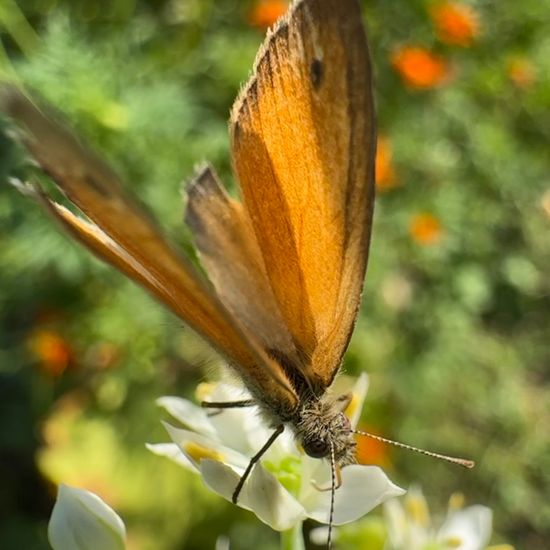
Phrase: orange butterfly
[287,263]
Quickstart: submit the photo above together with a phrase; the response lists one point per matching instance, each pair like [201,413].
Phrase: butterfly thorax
[317,420]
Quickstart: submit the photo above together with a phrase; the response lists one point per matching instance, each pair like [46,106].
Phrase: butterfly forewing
[126,237]
[303,138]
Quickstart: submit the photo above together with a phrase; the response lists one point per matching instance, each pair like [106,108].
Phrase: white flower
[284,488]
[82,521]
[411,528]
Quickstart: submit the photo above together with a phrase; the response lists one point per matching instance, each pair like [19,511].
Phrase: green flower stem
[13,20]
[293,539]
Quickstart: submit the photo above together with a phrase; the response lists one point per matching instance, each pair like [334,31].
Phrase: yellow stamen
[418,509]
[204,391]
[456,502]
[198,452]
[453,542]
[353,405]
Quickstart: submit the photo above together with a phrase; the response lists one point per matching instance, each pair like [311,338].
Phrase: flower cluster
[410,526]
[81,520]
[285,488]
[454,24]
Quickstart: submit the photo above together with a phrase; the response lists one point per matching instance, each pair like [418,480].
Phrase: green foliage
[454,334]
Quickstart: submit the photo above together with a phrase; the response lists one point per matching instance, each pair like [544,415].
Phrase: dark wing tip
[277,32]
[204,185]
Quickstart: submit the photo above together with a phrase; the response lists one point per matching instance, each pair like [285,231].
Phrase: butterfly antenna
[332,494]
[454,460]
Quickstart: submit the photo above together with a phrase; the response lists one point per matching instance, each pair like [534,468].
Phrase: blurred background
[454,328]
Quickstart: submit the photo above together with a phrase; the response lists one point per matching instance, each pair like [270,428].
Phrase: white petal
[188,414]
[363,488]
[224,391]
[396,523]
[359,391]
[82,521]
[174,453]
[471,526]
[182,438]
[357,387]
[319,536]
[241,429]
[283,446]
[404,531]
[262,494]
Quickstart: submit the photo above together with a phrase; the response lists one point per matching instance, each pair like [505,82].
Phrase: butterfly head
[322,426]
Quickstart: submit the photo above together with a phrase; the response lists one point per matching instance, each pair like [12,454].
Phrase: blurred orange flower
[52,351]
[385,173]
[372,451]
[426,229]
[266,12]
[455,23]
[420,68]
[521,72]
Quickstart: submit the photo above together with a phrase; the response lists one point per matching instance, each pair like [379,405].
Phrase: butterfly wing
[123,235]
[230,254]
[303,139]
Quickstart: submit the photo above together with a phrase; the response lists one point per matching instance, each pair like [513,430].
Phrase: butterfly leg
[226,405]
[338,484]
[279,430]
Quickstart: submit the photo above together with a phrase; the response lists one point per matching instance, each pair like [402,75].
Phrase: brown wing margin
[303,137]
[128,239]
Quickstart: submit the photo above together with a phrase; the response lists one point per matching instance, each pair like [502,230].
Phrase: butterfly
[286,262]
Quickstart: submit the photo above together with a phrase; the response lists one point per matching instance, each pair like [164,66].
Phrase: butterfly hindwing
[229,252]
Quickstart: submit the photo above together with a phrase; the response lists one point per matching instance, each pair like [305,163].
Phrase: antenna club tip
[469,464]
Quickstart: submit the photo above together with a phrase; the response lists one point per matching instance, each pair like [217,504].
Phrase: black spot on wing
[316,73]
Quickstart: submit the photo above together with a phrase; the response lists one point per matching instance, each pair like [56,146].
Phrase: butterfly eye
[316,448]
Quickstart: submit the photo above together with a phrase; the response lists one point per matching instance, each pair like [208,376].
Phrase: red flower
[266,12]
[372,451]
[426,229]
[455,23]
[52,351]
[420,68]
